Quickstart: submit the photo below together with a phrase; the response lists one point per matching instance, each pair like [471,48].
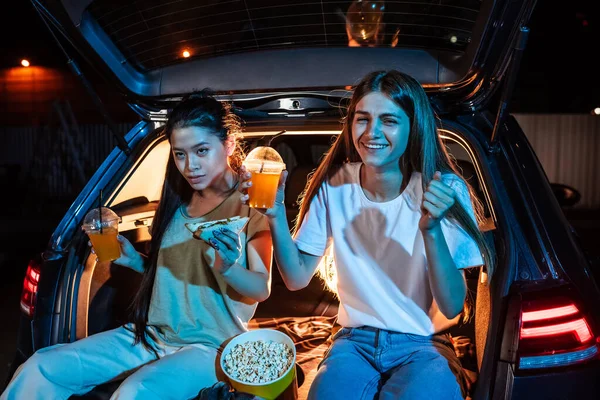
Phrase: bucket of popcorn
[260,362]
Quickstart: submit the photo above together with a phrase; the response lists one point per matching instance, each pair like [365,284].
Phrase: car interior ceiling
[106,290]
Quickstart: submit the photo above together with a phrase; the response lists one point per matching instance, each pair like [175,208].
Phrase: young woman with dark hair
[193,296]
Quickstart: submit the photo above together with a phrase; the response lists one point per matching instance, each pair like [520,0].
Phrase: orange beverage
[265,165]
[263,190]
[105,244]
[102,227]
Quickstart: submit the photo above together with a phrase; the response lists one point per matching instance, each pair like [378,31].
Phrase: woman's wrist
[135,263]
[140,261]
[279,213]
[434,233]
[226,273]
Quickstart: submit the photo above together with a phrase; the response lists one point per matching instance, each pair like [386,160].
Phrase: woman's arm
[296,267]
[446,281]
[254,282]
[130,257]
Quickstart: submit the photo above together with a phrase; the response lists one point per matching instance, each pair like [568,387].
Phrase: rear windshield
[153,33]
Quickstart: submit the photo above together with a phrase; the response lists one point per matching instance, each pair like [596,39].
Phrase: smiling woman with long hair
[194,294]
[402,225]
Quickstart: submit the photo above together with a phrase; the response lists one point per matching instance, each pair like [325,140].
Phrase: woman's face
[380,131]
[200,156]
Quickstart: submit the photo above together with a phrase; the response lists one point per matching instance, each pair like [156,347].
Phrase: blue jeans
[370,363]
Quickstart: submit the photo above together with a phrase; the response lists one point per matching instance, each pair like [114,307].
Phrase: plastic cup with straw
[101,225]
[265,164]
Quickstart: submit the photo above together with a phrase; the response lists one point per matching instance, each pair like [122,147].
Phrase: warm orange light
[186,53]
[25,63]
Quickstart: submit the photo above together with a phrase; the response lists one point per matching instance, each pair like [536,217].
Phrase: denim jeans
[370,363]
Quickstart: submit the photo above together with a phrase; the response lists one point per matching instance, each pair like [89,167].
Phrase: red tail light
[550,313]
[579,328]
[30,288]
[554,333]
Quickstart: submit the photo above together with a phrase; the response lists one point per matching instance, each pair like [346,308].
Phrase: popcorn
[258,361]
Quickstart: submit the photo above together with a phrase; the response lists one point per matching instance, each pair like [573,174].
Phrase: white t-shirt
[382,278]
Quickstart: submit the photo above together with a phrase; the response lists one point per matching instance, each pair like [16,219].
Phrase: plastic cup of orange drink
[265,164]
[102,227]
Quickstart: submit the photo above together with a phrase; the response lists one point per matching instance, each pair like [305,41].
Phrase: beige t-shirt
[192,303]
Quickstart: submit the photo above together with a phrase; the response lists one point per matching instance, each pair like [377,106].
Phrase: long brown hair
[425,152]
[199,109]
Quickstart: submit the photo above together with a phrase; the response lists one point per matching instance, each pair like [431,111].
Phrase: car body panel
[463,79]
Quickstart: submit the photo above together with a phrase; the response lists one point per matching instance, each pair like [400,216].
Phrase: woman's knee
[45,362]
[329,386]
[427,379]
[41,373]
[345,377]
[322,386]
[134,387]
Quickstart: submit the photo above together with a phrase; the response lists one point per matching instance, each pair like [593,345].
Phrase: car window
[146,179]
[153,34]
[467,168]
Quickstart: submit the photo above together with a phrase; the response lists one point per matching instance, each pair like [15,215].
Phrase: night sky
[557,73]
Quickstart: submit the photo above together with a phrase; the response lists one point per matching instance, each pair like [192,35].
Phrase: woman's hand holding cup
[246,183]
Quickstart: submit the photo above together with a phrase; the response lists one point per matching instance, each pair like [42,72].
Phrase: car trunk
[154,52]
[104,291]
[288,75]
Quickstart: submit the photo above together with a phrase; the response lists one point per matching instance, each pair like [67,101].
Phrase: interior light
[596,111]
[25,63]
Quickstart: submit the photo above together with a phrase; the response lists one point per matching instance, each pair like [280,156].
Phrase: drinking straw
[262,165]
[100,210]
[275,136]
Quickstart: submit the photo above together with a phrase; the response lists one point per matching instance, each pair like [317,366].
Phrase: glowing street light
[186,54]
[596,111]
[25,63]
